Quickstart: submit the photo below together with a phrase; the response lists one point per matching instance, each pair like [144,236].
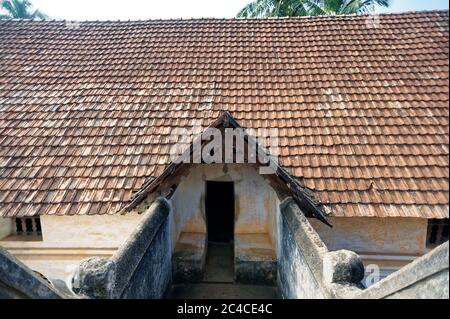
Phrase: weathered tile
[362,112]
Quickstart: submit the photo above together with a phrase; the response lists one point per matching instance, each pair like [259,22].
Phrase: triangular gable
[304,197]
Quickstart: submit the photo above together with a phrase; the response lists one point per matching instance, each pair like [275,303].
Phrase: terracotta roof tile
[362,112]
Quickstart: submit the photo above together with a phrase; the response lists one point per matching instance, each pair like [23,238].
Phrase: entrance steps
[218,280]
[222,291]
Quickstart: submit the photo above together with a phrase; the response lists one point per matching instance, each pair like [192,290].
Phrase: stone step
[222,291]
[219,266]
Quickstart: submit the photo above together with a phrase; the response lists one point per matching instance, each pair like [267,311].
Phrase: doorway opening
[220,211]
[219,208]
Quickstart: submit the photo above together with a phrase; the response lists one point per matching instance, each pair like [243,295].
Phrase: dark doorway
[219,205]
[220,211]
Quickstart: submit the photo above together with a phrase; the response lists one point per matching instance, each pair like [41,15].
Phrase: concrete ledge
[306,269]
[301,253]
[343,266]
[141,268]
[130,254]
[426,277]
[343,271]
[255,260]
[18,281]
[188,260]
[255,272]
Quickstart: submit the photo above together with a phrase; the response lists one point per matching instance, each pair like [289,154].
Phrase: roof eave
[305,202]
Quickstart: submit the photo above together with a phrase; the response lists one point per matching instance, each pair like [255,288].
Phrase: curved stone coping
[129,255]
[307,269]
[19,281]
[137,259]
[426,277]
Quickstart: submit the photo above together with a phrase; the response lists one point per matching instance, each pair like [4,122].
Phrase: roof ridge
[303,197]
[239,19]
[88,114]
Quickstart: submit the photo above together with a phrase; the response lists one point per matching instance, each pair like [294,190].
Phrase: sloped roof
[361,105]
[305,198]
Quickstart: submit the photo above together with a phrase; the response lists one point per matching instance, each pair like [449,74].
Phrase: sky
[156,9]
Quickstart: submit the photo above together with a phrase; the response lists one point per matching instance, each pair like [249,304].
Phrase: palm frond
[7,6]
[20,9]
[353,6]
[315,8]
[39,15]
[249,10]
[364,6]
[269,8]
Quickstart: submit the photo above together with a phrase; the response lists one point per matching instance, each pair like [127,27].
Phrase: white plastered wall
[384,244]
[6,227]
[256,203]
[375,235]
[69,239]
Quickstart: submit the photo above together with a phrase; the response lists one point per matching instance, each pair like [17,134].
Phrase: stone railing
[17,281]
[425,278]
[141,268]
[306,269]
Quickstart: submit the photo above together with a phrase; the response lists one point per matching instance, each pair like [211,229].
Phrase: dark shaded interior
[220,211]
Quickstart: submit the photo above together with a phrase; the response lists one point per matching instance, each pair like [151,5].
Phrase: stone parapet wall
[306,269]
[141,268]
[426,277]
[17,281]
[67,240]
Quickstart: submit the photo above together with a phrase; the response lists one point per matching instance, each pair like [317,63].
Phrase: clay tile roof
[361,104]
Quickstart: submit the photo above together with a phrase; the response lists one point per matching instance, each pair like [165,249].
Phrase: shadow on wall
[17,281]
[425,278]
[140,269]
[306,269]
